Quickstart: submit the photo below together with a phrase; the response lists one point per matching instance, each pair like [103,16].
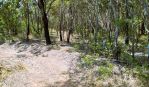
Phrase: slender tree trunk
[127,34]
[45,21]
[28,23]
[146,17]
[115,10]
[133,41]
[97,20]
[68,36]
[70,24]
[142,28]
[61,20]
[127,25]
[37,22]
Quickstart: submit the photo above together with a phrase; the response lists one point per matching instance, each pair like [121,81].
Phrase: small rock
[45,55]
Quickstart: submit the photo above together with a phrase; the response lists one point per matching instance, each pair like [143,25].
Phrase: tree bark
[61,20]
[127,34]
[142,28]
[70,24]
[127,25]
[45,21]
[28,23]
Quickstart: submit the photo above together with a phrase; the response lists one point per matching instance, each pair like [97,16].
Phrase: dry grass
[6,70]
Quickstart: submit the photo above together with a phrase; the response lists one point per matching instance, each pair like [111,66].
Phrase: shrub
[105,70]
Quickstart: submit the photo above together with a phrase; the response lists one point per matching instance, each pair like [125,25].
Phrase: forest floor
[35,65]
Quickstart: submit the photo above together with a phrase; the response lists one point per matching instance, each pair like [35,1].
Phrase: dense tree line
[101,24]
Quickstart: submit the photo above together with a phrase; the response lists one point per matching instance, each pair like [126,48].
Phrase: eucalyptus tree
[114,9]
[41,5]
[61,19]
[127,24]
[27,15]
[146,17]
[71,19]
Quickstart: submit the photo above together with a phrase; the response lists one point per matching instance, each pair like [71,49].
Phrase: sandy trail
[47,69]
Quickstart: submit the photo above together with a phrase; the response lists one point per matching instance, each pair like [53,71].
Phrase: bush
[88,60]
[142,72]
[105,70]
[126,57]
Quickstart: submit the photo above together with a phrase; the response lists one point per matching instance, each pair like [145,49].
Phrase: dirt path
[47,69]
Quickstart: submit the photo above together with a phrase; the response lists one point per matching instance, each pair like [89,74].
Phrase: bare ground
[42,66]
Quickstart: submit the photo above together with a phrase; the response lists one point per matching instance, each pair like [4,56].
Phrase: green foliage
[94,47]
[100,49]
[105,70]
[135,21]
[120,22]
[9,18]
[126,57]
[88,60]
[78,46]
[2,38]
[143,41]
[142,72]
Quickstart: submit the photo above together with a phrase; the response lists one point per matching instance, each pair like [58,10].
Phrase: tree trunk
[45,21]
[70,24]
[127,34]
[127,25]
[28,24]
[142,28]
[61,20]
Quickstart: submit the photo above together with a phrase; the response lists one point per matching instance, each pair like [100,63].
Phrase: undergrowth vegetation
[100,61]
[109,71]
[7,70]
